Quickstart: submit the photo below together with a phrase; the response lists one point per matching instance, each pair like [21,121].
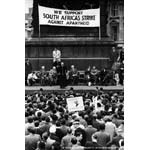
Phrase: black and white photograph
[74,74]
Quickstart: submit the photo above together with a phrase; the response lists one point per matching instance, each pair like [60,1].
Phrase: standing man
[28,69]
[56,57]
[62,71]
[102,137]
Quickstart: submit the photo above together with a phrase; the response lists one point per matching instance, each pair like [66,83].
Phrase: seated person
[73,75]
[94,74]
[53,76]
[43,75]
[88,76]
[32,78]
[102,76]
[109,79]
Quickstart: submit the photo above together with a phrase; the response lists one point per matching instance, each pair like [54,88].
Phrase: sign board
[95,102]
[70,18]
[75,104]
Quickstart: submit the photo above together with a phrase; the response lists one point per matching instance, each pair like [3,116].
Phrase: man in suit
[31,139]
[62,70]
[93,145]
[102,137]
[89,130]
[66,140]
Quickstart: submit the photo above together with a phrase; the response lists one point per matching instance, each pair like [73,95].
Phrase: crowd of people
[50,126]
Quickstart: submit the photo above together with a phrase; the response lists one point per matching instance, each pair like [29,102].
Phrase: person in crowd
[89,130]
[32,78]
[116,120]
[40,145]
[117,139]
[31,139]
[28,69]
[94,74]
[82,119]
[45,126]
[64,128]
[93,145]
[59,132]
[81,135]
[53,76]
[66,140]
[56,146]
[75,145]
[62,71]
[56,57]
[73,75]
[76,124]
[110,127]
[95,123]
[102,137]
[48,141]
[29,124]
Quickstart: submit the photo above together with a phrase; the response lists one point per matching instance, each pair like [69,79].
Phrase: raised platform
[31,89]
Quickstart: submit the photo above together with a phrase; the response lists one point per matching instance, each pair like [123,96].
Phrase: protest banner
[75,104]
[70,18]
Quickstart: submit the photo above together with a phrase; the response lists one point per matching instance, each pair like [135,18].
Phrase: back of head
[63,122]
[45,136]
[56,146]
[47,119]
[74,141]
[30,119]
[58,123]
[31,130]
[102,126]
[89,122]
[36,123]
[41,145]
[69,130]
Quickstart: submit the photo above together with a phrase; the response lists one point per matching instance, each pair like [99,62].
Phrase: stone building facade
[115,26]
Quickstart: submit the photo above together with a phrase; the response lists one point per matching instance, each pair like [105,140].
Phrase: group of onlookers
[60,75]
[50,126]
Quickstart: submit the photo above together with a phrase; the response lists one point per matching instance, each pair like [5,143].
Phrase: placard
[75,104]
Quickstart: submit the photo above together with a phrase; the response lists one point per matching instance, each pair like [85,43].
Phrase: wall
[80,53]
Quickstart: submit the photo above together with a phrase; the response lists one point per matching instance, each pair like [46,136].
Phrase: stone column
[35,16]
[104,17]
